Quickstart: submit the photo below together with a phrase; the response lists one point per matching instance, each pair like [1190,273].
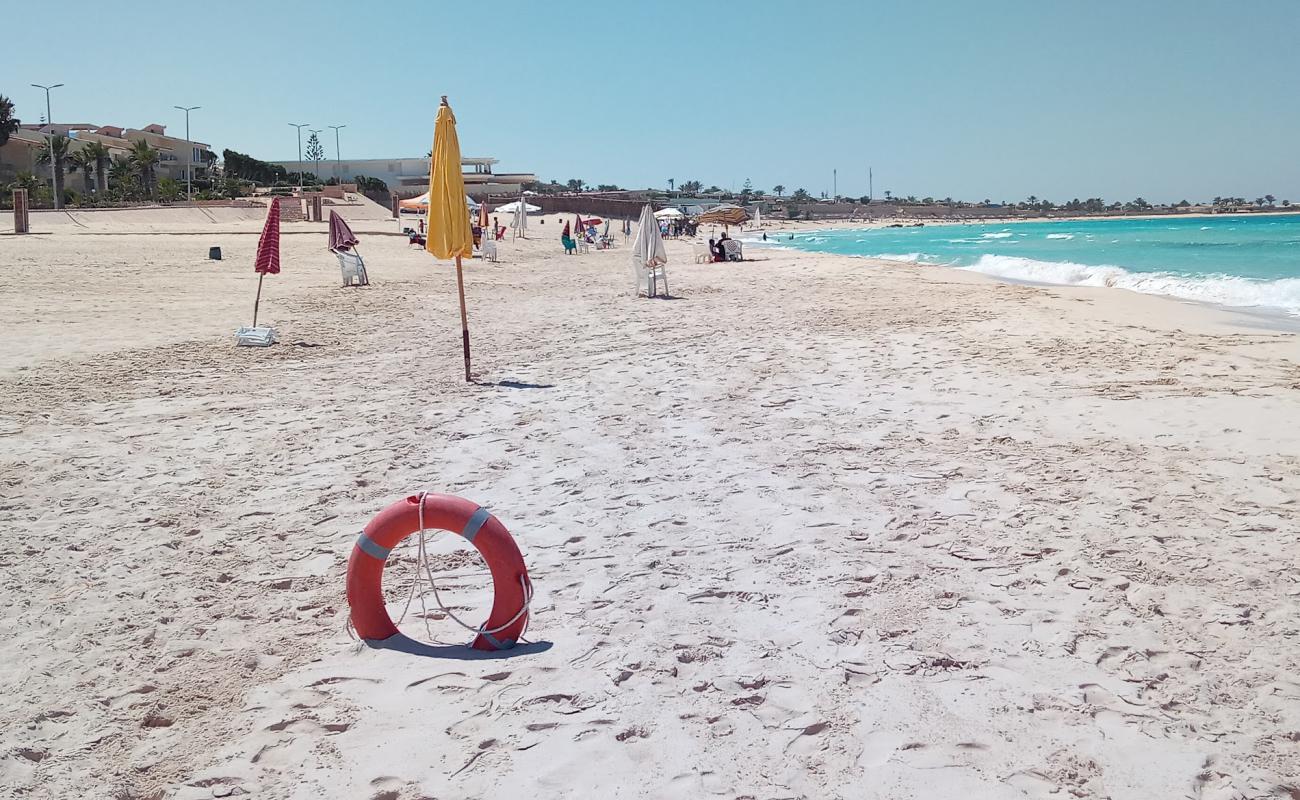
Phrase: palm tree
[100,153]
[84,161]
[26,180]
[779,190]
[8,123]
[671,181]
[56,148]
[143,158]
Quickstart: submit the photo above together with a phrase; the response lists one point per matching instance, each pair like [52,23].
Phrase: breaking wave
[1227,290]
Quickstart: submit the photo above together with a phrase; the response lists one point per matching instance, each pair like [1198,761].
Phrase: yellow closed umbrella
[449,231]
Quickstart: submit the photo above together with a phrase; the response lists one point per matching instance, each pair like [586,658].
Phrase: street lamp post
[299,126]
[49,120]
[337,166]
[315,162]
[189,160]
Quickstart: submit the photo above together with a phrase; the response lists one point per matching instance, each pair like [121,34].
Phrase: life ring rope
[471,530]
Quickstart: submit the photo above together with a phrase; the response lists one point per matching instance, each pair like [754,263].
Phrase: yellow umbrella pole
[464,318]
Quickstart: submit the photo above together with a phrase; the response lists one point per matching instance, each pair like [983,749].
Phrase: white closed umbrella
[649,255]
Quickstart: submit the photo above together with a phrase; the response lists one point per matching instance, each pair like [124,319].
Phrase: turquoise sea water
[1242,261]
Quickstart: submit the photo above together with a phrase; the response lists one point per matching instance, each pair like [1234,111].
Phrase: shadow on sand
[518,385]
[453,652]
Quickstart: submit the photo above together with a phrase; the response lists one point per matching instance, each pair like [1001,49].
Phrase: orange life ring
[512,589]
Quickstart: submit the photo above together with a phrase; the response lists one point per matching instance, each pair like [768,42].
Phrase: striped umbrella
[268,251]
[724,215]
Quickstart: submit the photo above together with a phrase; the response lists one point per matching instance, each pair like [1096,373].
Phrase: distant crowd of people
[677,228]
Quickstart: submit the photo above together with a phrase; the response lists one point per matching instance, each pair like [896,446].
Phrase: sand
[818,527]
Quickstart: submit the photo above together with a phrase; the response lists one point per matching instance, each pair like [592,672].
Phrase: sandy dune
[818,527]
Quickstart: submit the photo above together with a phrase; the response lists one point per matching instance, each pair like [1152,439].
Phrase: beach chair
[702,254]
[732,249]
[489,250]
[583,246]
[353,268]
[649,278]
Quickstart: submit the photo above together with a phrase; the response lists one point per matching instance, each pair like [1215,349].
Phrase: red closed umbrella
[341,236]
[268,251]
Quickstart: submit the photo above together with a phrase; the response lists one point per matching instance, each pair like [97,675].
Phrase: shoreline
[1273,317]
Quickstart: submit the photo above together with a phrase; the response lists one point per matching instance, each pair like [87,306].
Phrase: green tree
[801,195]
[26,180]
[1270,199]
[8,122]
[143,158]
[85,162]
[575,184]
[315,153]
[168,190]
[778,190]
[102,156]
[55,149]
[238,165]
[120,172]
[671,182]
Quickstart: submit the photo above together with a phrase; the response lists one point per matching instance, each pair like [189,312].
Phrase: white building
[409,177]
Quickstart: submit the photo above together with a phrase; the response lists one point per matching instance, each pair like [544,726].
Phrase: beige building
[20,152]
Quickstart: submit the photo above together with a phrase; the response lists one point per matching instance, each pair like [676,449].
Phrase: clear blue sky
[1114,98]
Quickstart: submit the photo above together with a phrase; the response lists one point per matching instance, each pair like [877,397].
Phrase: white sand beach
[817,527]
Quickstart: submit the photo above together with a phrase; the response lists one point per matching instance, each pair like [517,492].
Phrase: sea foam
[1227,290]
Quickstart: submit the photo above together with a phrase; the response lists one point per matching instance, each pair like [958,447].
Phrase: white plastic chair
[353,268]
[702,254]
[732,248]
[648,278]
[489,249]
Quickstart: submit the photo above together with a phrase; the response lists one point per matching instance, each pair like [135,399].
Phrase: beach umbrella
[724,214]
[521,217]
[648,252]
[511,208]
[606,233]
[449,232]
[341,236]
[668,213]
[578,227]
[483,218]
[267,261]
